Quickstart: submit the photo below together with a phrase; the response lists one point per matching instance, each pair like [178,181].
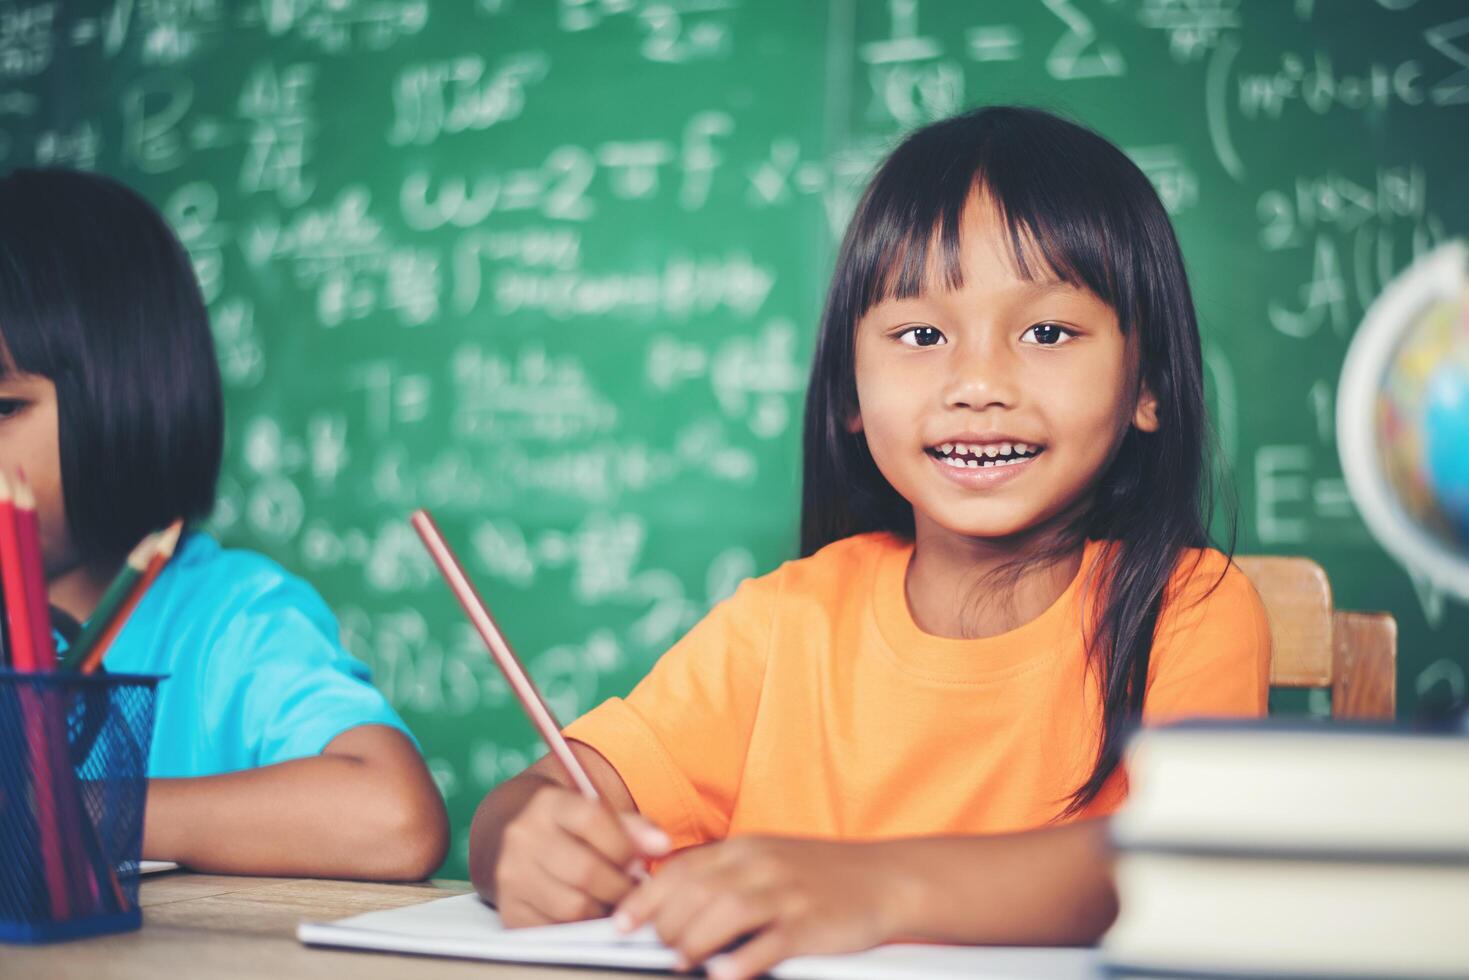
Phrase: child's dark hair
[98,295]
[1073,199]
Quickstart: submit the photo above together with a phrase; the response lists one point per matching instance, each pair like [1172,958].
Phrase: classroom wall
[552,269]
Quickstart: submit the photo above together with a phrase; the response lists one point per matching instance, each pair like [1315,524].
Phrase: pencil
[167,541]
[85,876]
[33,573]
[80,877]
[525,691]
[38,731]
[5,657]
[17,607]
[112,600]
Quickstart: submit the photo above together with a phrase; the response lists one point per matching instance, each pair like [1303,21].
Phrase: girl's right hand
[565,858]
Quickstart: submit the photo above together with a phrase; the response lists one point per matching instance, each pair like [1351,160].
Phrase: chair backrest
[1316,645]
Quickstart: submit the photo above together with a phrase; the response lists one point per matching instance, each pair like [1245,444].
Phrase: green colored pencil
[111,601]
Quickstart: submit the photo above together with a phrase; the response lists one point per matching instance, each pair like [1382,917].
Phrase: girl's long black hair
[97,294]
[1072,197]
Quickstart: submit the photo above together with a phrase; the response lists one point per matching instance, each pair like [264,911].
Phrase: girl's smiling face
[952,377]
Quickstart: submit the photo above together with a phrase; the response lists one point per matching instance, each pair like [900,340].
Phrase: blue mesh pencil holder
[73,784]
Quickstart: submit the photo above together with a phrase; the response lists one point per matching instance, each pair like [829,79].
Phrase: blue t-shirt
[256,672]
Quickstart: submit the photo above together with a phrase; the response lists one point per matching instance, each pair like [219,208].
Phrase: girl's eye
[1047,335]
[10,406]
[922,337]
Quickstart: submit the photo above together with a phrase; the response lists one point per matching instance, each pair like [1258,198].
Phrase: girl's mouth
[976,456]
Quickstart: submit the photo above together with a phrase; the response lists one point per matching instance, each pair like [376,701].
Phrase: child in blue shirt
[272,752]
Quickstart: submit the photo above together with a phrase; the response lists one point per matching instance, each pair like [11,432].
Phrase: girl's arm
[1051,886]
[1046,887]
[364,808]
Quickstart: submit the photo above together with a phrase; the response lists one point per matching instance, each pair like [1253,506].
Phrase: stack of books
[1263,849]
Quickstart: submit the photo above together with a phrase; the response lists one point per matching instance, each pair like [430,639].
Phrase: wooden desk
[210,927]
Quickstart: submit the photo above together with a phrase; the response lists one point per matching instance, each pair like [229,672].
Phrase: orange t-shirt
[809,703]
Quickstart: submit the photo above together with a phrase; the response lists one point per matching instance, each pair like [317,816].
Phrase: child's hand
[565,858]
[790,897]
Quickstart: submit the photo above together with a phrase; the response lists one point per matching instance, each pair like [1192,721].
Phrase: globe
[1403,418]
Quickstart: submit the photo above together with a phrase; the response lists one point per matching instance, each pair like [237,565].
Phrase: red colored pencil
[38,732]
[33,573]
[85,875]
[17,605]
[81,878]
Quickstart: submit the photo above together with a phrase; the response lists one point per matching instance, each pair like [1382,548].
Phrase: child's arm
[1050,886]
[365,807]
[542,853]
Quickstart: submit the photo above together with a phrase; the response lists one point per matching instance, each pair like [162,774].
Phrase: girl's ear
[854,423]
[1145,418]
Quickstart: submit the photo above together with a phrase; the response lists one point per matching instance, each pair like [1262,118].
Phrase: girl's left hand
[784,897]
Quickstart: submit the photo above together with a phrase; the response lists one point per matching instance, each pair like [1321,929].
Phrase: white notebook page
[463,926]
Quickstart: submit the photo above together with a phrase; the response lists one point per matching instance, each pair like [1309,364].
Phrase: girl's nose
[984,380]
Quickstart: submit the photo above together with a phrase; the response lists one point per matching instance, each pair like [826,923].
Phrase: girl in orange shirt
[915,730]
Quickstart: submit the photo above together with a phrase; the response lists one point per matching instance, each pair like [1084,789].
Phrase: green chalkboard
[553,268]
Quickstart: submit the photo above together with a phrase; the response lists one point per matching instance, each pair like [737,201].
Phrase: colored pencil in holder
[17,606]
[167,541]
[87,883]
[83,878]
[79,880]
[112,600]
[6,659]
[33,573]
[40,750]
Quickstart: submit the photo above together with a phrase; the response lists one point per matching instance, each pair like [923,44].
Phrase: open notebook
[463,926]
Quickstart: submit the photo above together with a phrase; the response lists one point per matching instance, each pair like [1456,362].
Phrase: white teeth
[1018,450]
[972,463]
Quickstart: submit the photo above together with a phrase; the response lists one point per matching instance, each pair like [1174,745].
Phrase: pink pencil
[525,691]
[33,573]
[520,682]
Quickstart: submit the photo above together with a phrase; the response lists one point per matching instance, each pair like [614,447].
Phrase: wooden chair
[1353,653]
